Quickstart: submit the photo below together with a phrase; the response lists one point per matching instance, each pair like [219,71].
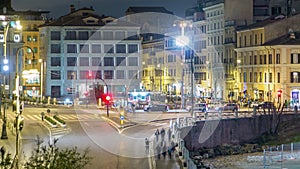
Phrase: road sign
[6,87]
[122,117]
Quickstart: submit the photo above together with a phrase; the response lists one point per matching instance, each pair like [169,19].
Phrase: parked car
[228,107]
[267,105]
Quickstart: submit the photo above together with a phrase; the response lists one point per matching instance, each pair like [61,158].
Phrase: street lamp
[18,114]
[6,26]
[182,41]
[41,78]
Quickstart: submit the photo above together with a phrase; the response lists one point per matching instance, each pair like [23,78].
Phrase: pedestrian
[164,151]
[169,134]
[170,152]
[162,132]
[156,134]
[172,146]
[147,145]
[158,151]
[42,114]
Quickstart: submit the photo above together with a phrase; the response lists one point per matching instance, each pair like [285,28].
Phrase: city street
[87,129]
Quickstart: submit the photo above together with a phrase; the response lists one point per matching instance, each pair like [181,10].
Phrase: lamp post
[182,41]
[6,25]
[41,78]
[18,113]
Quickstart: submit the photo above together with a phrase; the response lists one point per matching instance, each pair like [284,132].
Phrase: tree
[51,157]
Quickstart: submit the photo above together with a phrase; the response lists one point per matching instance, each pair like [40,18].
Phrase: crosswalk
[65,117]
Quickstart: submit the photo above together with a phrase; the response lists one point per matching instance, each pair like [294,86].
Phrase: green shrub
[50,120]
[59,119]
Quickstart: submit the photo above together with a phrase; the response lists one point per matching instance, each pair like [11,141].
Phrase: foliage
[59,119]
[6,161]
[51,157]
[50,120]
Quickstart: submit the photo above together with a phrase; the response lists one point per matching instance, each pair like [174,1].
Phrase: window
[84,61]
[35,50]
[120,35]
[96,48]
[295,77]
[98,74]
[95,35]
[71,90]
[265,59]
[250,80]
[278,58]
[84,48]
[250,60]
[70,35]
[260,59]
[261,38]
[255,39]
[278,77]
[71,48]
[255,59]
[55,35]
[34,39]
[108,74]
[120,74]
[132,74]
[29,38]
[260,77]
[270,77]
[108,61]
[255,77]
[120,48]
[265,78]
[83,35]
[132,61]
[107,35]
[132,48]
[71,61]
[83,74]
[71,75]
[55,91]
[170,58]
[55,74]
[108,48]
[245,77]
[132,35]
[295,58]
[121,61]
[55,48]
[270,59]
[55,61]
[96,61]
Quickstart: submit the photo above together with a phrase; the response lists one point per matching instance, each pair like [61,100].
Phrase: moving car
[228,107]
[266,105]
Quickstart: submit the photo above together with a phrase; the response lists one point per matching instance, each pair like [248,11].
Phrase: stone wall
[228,131]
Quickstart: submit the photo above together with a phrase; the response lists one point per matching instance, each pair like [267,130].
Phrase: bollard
[295,109]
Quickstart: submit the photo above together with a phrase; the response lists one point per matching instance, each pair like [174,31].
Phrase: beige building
[221,14]
[267,57]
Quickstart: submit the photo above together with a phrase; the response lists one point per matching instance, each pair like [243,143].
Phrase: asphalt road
[87,130]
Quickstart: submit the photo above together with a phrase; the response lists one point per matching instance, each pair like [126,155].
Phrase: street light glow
[5,67]
[182,41]
[5,61]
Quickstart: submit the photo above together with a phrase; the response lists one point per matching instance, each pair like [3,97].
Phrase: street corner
[118,122]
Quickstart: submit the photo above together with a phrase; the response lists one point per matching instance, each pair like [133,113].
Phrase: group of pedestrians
[164,146]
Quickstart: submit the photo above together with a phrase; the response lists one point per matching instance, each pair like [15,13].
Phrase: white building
[83,51]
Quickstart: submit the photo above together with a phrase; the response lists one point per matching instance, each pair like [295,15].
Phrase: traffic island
[118,122]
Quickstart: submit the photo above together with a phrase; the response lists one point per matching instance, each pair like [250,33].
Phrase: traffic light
[107,98]
[279,92]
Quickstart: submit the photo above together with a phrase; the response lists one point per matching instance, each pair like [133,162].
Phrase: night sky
[114,8]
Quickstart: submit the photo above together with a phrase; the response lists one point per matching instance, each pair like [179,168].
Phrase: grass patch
[50,120]
[59,119]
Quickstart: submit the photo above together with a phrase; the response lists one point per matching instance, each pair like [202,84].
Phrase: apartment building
[268,59]
[22,42]
[83,50]
[222,17]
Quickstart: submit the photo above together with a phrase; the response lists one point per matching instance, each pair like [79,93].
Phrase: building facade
[84,51]
[268,54]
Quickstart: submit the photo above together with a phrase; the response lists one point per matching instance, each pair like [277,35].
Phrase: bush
[59,119]
[50,120]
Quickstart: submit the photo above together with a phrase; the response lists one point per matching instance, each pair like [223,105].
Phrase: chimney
[72,8]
